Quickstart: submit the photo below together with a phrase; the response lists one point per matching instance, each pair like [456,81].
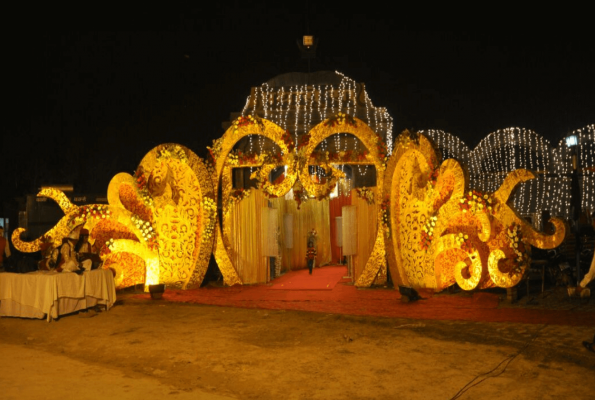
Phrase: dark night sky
[89,96]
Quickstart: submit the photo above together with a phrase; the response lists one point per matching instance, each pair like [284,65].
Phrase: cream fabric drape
[246,237]
[367,226]
[312,214]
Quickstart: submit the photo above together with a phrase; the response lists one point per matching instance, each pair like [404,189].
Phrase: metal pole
[576,190]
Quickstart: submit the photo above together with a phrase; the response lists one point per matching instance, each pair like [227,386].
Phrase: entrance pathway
[344,298]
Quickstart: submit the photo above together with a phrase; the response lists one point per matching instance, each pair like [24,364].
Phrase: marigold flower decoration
[476,202]
[427,233]
[146,229]
[516,247]
[462,240]
[303,141]
[238,195]
[210,207]
[385,207]
[288,140]
[365,194]
[340,119]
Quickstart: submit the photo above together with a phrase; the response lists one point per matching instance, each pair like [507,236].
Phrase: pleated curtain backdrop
[336,205]
[367,227]
[312,214]
[246,236]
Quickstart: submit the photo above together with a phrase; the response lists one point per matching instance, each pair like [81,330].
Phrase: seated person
[88,258]
[49,257]
[68,257]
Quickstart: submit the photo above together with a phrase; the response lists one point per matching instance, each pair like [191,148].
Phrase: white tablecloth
[42,294]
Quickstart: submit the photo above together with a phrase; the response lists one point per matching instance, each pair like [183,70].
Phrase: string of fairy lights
[506,150]
[299,108]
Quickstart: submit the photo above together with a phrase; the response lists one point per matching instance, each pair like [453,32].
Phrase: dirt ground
[150,349]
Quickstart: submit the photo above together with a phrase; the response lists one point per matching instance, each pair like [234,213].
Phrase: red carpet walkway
[342,298]
[321,279]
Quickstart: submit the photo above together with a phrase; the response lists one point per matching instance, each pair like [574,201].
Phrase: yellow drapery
[312,214]
[247,238]
[367,226]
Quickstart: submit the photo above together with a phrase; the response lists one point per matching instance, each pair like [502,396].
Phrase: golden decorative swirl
[411,205]
[376,262]
[501,279]
[230,275]
[59,197]
[207,218]
[485,232]
[177,182]
[449,168]
[469,276]
[137,248]
[113,189]
[508,216]
[58,232]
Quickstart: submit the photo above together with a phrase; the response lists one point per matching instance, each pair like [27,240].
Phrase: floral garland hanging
[516,248]
[366,194]
[427,233]
[288,140]
[385,207]
[340,119]
[238,195]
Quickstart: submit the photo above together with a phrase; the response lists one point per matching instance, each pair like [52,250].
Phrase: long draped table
[49,294]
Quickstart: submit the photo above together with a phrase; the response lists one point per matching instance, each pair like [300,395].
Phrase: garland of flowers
[288,140]
[238,195]
[464,243]
[515,244]
[140,180]
[167,152]
[366,194]
[477,202]
[341,156]
[83,213]
[303,141]
[146,229]
[210,207]
[238,157]
[246,121]
[381,148]
[385,207]
[427,233]
[340,119]
[299,194]
[434,172]
[214,153]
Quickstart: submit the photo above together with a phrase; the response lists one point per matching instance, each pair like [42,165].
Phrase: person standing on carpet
[311,255]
